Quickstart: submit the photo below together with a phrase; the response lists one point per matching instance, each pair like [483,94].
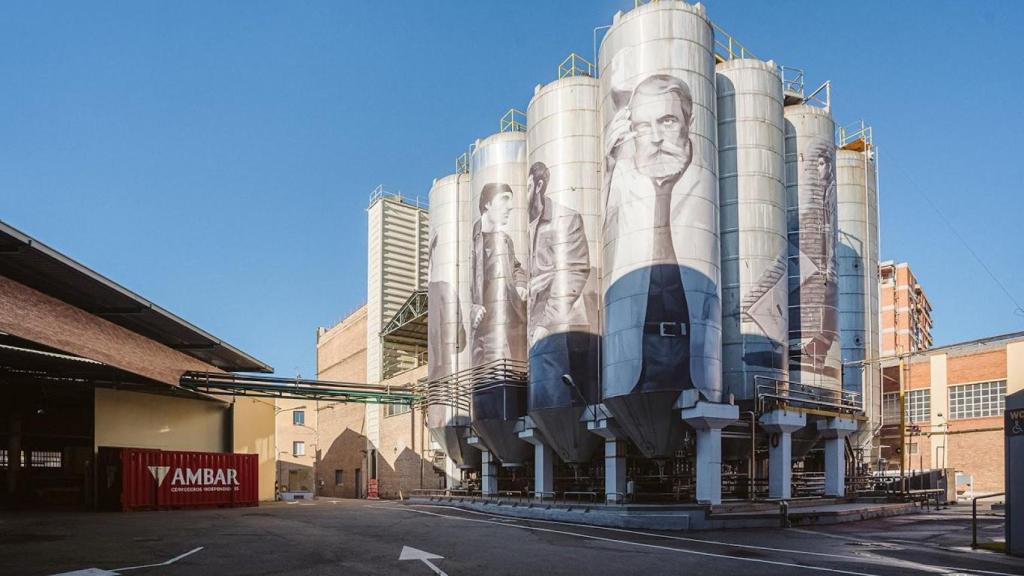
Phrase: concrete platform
[680,516]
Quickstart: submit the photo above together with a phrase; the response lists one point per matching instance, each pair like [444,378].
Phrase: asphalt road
[365,537]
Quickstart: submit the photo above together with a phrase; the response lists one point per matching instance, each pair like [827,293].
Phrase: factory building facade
[954,400]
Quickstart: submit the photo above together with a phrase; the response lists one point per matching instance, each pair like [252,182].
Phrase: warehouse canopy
[29,262]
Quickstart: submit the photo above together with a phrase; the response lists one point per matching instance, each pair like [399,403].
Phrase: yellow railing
[513,121]
[575,65]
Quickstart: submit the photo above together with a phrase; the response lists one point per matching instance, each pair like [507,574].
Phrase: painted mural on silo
[447,335]
[564,187]
[662,304]
[752,175]
[499,290]
[814,354]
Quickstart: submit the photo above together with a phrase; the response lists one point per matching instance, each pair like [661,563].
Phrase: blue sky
[217,157]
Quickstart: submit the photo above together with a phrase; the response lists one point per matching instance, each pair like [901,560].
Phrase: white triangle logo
[159,473]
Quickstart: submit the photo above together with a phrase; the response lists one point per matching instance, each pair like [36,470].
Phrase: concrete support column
[835,430]
[708,419]
[543,458]
[488,474]
[543,469]
[780,425]
[614,469]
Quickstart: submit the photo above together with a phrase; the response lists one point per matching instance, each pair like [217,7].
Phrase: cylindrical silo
[447,337]
[873,348]
[564,183]
[752,174]
[858,274]
[498,293]
[660,287]
[814,355]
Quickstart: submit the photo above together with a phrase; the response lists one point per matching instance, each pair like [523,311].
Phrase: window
[46,459]
[891,408]
[912,448]
[977,400]
[4,459]
[298,417]
[298,448]
[919,405]
[395,409]
[339,477]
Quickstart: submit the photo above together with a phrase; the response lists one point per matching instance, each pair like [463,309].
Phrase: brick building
[86,363]
[906,314]
[954,401]
[340,449]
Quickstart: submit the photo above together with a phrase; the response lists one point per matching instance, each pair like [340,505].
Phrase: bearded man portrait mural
[660,315]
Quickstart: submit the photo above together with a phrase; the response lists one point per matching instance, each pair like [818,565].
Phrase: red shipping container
[140,479]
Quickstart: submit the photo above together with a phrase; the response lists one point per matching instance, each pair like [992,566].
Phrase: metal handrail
[822,96]
[579,495]
[855,131]
[513,121]
[462,163]
[785,392]
[379,192]
[792,79]
[575,65]
[974,516]
[731,49]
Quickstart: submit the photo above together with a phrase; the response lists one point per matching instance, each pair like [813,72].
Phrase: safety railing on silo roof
[462,163]
[821,97]
[856,136]
[513,121]
[575,65]
[792,80]
[727,47]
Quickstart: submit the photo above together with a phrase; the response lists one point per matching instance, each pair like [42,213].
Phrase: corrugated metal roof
[34,264]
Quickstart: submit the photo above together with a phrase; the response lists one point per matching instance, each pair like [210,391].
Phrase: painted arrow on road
[410,553]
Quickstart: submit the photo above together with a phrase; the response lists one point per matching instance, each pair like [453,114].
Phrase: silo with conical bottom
[751,153]
[814,350]
[564,184]
[447,335]
[858,276]
[498,294]
[660,247]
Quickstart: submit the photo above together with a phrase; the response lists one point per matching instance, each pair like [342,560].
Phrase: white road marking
[410,553]
[909,542]
[645,545]
[868,557]
[655,535]
[168,562]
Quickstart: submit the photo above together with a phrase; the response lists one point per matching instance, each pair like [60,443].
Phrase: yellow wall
[254,434]
[1014,367]
[136,420]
